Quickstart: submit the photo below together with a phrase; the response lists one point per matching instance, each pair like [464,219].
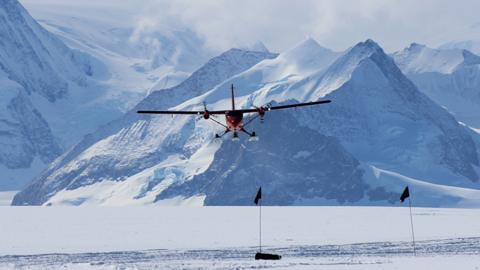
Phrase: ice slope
[124,148]
[450,77]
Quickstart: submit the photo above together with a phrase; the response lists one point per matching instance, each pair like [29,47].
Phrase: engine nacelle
[261,111]
[206,115]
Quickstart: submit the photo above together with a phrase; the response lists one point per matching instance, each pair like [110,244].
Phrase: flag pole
[411,223]
[260,225]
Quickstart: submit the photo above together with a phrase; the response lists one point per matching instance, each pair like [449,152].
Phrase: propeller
[262,109]
[206,115]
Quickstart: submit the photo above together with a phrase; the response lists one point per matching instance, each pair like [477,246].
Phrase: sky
[281,24]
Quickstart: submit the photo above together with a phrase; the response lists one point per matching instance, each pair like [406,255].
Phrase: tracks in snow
[361,253]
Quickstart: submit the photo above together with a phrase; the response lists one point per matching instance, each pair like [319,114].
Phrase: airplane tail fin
[233,99]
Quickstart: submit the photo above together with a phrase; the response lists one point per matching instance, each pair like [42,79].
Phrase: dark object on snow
[405,194]
[259,196]
[267,256]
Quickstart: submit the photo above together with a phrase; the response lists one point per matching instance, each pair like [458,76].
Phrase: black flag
[259,196]
[405,194]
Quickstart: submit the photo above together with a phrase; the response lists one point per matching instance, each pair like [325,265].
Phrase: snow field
[40,230]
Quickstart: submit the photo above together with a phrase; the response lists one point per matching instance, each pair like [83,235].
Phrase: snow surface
[215,260]
[223,237]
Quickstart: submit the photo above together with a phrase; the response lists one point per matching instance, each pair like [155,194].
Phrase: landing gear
[235,137]
[220,136]
[253,137]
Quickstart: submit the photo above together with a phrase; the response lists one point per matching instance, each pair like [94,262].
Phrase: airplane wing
[181,112]
[243,111]
[287,106]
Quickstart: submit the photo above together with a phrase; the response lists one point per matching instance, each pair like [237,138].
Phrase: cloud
[280,24]
[337,24]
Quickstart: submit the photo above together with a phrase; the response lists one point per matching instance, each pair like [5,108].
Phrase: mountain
[469,45]
[36,70]
[381,117]
[36,59]
[377,135]
[85,159]
[450,77]
[69,73]
[293,163]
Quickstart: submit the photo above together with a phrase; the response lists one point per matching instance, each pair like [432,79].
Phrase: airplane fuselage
[234,120]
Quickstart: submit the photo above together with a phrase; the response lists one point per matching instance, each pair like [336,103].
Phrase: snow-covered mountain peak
[300,61]
[420,58]
[321,84]
[206,77]
[307,47]
[358,53]
[256,47]
[448,75]
[365,49]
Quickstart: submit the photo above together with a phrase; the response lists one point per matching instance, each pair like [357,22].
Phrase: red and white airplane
[234,118]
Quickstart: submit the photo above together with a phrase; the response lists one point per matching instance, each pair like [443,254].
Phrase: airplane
[234,118]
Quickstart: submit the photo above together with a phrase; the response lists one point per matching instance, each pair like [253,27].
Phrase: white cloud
[280,24]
